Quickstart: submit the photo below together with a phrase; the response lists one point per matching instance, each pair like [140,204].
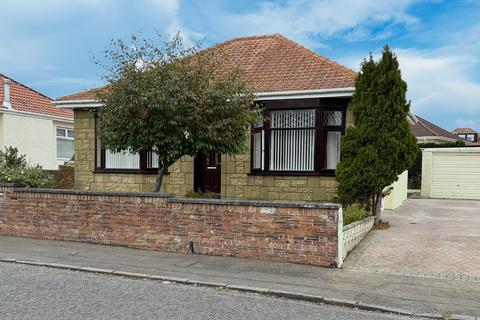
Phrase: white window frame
[66,137]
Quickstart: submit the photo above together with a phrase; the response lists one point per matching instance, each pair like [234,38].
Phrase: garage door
[456,175]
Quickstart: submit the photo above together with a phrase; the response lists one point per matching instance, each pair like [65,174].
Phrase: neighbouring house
[30,122]
[427,132]
[466,134]
[291,156]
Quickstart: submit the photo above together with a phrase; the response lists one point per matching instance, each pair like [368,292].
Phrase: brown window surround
[321,131]
[100,161]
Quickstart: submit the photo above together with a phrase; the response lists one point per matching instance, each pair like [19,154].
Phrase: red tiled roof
[275,64]
[23,98]
[84,95]
[463,130]
[424,128]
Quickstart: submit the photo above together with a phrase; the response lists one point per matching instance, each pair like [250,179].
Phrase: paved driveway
[428,238]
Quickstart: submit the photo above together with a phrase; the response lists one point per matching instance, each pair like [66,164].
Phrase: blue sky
[49,44]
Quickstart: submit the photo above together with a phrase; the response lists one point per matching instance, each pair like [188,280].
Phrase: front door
[207,172]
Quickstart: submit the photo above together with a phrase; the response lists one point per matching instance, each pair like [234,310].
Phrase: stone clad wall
[235,178]
[178,181]
[237,183]
[300,232]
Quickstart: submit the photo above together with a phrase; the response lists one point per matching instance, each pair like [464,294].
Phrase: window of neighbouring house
[298,137]
[65,143]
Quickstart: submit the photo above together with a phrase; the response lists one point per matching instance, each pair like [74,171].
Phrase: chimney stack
[6,93]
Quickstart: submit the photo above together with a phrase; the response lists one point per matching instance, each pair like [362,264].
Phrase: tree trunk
[161,171]
[378,207]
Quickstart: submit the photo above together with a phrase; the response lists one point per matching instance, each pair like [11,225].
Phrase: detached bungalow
[291,156]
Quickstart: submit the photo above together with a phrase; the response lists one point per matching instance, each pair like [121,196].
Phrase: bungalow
[427,132]
[291,156]
[30,122]
[467,134]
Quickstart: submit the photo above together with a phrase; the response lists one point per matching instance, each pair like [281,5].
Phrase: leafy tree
[174,100]
[380,146]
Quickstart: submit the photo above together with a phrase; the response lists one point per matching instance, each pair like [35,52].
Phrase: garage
[451,173]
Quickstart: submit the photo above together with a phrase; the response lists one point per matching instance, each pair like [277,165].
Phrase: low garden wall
[353,233]
[300,232]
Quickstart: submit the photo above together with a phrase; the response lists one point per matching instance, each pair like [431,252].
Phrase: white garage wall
[451,173]
[399,192]
[33,136]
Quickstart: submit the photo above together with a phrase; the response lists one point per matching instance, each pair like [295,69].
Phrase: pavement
[33,292]
[401,294]
[427,238]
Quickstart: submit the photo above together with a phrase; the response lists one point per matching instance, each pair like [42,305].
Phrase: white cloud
[442,82]
[461,123]
[305,19]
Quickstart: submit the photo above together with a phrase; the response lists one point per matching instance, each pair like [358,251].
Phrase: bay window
[298,137]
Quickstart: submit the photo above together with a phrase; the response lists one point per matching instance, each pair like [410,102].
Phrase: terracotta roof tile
[276,63]
[23,98]
[463,130]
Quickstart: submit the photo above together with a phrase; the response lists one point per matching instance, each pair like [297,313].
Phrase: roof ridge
[25,86]
[272,35]
[315,54]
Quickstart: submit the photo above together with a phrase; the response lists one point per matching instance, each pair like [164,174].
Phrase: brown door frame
[202,174]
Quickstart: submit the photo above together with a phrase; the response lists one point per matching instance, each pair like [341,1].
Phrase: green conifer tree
[380,146]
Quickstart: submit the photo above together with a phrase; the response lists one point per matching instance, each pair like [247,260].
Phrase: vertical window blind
[121,160]
[333,149]
[292,140]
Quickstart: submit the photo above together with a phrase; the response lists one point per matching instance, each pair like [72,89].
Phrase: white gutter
[430,138]
[274,95]
[302,94]
[75,104]
[448,150]
[36,115]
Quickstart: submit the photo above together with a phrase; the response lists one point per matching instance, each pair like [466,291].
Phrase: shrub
[201,194]
[30,176]
[10,158]
[354,212]
[14,169]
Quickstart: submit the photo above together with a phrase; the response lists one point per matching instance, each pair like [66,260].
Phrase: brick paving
[427,238]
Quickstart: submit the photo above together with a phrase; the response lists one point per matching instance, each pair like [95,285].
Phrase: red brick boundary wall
[300,232]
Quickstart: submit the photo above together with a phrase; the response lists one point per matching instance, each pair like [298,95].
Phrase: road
[34,292]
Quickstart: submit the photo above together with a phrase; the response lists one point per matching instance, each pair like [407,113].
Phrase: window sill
[327,173]
[128,171]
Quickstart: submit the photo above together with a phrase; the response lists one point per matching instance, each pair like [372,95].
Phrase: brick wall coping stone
[93,193]
[172,198]
[259,203]
[356,223]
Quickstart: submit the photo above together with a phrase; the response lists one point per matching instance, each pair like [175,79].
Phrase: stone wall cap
[96,193]
[260,203]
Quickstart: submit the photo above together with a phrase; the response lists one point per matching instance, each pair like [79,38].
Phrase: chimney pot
[6,94]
